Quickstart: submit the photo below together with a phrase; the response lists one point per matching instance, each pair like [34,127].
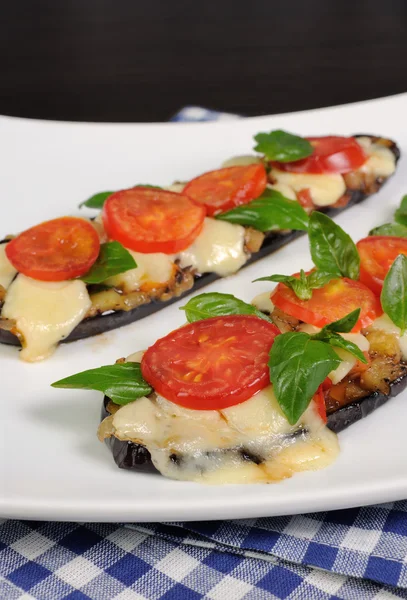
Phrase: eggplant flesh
[135,457]
[272,242]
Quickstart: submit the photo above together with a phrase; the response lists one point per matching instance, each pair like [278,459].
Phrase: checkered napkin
[342,555]
[363,553]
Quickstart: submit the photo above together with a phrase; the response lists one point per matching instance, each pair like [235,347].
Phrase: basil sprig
[303,285]
[122,382]
[394,293]
[334,254]
[113,259]
[98,200]
[400,216]
[392,229]
[215,304]
[282,146]
[332,249]
[270,211]
[299,363]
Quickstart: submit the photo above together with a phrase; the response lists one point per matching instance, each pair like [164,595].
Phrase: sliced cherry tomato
[330,303]
[151,220]
[55,250]
[332,154]
[211,364]
[377,254]
[319,399]
[226,188]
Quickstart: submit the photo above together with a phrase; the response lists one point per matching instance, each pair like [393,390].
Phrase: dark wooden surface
[141,60]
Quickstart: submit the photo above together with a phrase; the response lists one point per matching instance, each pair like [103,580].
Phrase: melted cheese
[242,161]
[177,187]
[216,446]
[97,223]
[263,302]
[155,267]
[7,271]
[324,189]
[136,356]
[384,323]
[284,189]
[381,161]
[45,312]
[219,248]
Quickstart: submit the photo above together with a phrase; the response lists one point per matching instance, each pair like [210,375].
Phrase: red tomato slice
[224,189]
[332,154]
[377,254]
[55,250]
[149,220]
[335,300]
[211,364]
[319,399]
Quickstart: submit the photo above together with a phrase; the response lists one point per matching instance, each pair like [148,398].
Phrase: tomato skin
[333,301]
[319,399]
[55,250]
[211,364]
[332,154]
[224,189]
[150,220]
[377,254]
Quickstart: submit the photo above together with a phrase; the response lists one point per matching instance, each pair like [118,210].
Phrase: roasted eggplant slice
[358,188]
[135,457]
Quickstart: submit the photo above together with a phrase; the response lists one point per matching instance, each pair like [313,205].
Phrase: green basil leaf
[336,340]
[97,200]
[282,146]
[318,278]
[332,249]
[298,365]
[400,215]
[299,285]
[215,304]
[345,324]
[268,212]
[122,382]
[390,229]
[113,259]
[394,293]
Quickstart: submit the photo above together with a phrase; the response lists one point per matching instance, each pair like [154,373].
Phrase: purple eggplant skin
[106,322]
[347,415]
[128,455]
[135,457]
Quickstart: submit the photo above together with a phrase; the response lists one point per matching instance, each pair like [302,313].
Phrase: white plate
[51,463]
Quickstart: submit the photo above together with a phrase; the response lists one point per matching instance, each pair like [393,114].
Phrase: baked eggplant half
[189,425]
[338,351]
[157,246]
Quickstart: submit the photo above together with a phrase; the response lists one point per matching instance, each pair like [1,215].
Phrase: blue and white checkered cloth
[342,555]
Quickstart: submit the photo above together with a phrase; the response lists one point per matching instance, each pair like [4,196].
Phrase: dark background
[140,60]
